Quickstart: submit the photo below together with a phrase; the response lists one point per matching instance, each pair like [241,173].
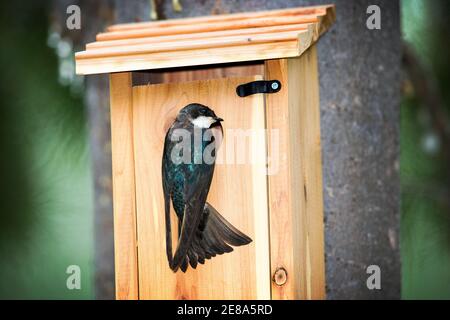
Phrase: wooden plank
[198,73]
[326,20]
[238,40]
[316,10]
[202,35]
[242,274]
[229,41]
[160,60]
[295,191]
[305,70]
[279,184]
[227,71]
[123,187]
[207,27]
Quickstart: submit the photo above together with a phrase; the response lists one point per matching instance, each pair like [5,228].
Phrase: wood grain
[180,75]
[219,42]
[295,191]
[125,239]
[211,40]
[315,10]
[303,72]
[239,192]
[207,27]
[160,60]
[203,35]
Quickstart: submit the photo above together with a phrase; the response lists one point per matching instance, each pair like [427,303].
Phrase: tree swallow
[186,177]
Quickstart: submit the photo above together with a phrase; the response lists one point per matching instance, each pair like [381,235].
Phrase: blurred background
[425,150]
[47,183]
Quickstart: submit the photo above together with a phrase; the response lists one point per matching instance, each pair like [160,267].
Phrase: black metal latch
[260,86]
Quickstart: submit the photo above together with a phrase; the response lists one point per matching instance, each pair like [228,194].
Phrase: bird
[203,232]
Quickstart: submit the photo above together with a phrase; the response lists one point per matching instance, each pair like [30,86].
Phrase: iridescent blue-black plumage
[203,232]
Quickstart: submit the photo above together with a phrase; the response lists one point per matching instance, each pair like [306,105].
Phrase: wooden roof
[205,40]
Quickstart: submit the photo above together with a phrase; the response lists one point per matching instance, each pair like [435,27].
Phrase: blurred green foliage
[46,181]
[425,167]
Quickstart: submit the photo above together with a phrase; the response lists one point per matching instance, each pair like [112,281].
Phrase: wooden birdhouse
[259,72]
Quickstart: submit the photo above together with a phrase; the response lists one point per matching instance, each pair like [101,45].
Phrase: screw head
[274,85]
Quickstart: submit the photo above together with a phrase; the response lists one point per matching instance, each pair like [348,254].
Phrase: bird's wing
[166,191]
[198,181]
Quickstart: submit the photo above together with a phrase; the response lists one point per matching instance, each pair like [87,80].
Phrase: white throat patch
[203,122]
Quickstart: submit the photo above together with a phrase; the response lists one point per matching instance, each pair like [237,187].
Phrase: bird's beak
[218,119]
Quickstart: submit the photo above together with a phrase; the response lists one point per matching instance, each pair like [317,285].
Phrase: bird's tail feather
[215,236]
[226,230]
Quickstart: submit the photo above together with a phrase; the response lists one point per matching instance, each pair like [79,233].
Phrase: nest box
[258,71]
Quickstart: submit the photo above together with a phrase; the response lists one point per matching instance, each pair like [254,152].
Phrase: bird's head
[199,116]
